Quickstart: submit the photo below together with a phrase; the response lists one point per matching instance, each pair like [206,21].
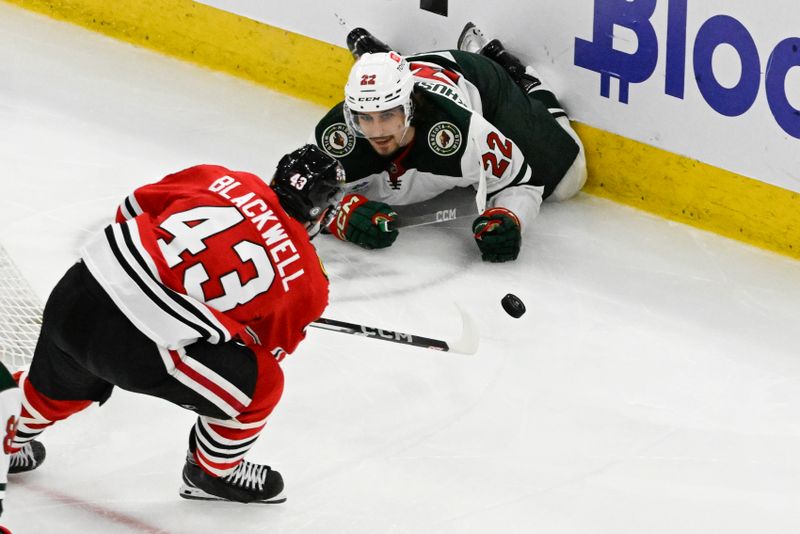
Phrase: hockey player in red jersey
[206,280]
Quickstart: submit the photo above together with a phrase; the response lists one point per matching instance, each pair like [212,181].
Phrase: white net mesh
[20,315]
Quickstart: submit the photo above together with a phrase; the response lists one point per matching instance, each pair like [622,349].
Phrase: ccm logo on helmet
[368,98]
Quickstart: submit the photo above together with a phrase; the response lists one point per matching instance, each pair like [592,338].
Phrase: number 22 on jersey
[494,162]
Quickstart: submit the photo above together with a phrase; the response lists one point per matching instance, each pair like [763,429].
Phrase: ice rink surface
[652,387]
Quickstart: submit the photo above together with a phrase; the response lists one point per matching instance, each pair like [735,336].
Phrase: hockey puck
[513,306]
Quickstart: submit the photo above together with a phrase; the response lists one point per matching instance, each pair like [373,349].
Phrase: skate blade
[471,39]
[196,494]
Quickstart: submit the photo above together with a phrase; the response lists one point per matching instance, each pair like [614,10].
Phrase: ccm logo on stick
[446,215]
[386,334]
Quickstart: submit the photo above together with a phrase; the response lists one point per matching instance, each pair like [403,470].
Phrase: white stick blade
[470,335]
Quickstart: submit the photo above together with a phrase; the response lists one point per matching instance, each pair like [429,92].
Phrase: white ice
[653,386]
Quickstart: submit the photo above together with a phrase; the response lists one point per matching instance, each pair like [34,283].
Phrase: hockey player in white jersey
[414,127]
[10,399]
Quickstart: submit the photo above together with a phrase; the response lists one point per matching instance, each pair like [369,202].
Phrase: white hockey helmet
[378,82]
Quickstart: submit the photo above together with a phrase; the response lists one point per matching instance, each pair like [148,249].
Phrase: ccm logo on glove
[365,222]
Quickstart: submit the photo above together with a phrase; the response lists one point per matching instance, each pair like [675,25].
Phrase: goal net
[20,315]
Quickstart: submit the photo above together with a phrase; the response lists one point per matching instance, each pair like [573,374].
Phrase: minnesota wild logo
[444,138]
[337,140]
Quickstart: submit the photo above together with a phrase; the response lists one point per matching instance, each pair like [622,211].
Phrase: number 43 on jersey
[190,230]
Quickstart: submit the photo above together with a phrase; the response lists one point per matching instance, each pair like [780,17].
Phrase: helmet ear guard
[309,184]
[378,82]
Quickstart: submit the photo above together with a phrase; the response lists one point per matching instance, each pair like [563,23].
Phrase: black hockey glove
[364,222]
[498,235]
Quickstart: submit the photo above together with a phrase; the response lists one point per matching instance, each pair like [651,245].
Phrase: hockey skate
[248,483]
[360,42]
[28,458]
[472,40]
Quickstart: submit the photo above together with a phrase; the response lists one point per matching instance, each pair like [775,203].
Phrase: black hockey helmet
[309,184]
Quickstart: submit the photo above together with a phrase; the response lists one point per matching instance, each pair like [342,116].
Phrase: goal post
[20,315]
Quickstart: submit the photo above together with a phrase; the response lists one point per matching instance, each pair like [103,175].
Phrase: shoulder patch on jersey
[444,138]
[337,140]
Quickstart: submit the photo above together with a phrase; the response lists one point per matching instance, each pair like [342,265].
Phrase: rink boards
[676,187]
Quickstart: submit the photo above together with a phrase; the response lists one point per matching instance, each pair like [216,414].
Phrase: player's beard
[389,144]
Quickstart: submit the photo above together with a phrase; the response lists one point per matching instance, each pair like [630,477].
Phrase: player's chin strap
[466,343]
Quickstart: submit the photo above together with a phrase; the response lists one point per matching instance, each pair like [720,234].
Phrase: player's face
[385,130]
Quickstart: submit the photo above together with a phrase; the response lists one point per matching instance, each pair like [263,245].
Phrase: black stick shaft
[448,206]
[380,334]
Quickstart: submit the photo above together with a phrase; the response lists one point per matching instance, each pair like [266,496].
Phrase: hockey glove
[364,222]
[498,235]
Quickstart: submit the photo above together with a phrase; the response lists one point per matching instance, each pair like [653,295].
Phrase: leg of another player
[55,387]
[576,175]
[9,414]
[39,412]
[531,82]
[525,76]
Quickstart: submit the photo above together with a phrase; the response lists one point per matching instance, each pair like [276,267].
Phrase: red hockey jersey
[208,253]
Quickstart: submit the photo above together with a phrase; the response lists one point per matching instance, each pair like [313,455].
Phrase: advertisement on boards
[735,78]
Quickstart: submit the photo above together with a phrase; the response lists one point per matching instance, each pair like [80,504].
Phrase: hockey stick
[466,343]
[445,207]
[448,206]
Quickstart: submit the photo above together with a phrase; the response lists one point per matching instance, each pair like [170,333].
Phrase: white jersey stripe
[201,309]
[130,207]
[157,289]
[135,203]
[146,314]
[123,208]
[161,317]
[148,260]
